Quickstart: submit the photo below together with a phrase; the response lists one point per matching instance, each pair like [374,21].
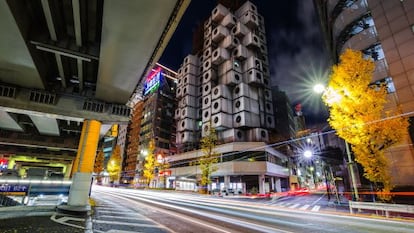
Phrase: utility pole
[351,171]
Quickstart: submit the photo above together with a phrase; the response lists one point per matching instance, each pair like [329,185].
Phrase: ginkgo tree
[150,163]
[98,167]
[358,116]
[208,158]
[114,164]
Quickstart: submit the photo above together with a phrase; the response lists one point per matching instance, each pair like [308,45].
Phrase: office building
[384,32]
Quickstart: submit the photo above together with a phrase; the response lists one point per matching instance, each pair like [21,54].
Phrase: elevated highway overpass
[66,61]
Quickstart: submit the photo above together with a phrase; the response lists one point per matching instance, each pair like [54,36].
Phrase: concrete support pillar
[272,183]
[226,182]
[278,186]
[83,166]
[261,184]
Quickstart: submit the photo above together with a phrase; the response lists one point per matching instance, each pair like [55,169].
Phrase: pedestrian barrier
[387,208]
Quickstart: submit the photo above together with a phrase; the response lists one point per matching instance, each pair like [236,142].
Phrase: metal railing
[387,208]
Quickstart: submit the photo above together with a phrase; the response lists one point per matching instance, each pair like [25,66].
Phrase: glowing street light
[307,154]
[319,88]
[331,97]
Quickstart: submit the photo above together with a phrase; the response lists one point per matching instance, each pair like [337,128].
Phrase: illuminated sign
[153,81]
[14,190]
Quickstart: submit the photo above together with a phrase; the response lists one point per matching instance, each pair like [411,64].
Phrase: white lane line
[61,221]
[129,224]
[316,208]
[304,207]
[294,206]
[123,218]
[116,212]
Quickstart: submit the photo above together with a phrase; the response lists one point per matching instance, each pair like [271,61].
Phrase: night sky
[297,56]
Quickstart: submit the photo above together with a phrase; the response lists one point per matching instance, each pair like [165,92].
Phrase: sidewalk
[33,219]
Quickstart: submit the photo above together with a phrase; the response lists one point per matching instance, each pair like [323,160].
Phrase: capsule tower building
[226,85]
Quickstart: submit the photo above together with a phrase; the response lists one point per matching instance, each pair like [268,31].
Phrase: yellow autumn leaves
[357,114]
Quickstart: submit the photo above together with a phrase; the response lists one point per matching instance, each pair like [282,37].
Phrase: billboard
[153,81]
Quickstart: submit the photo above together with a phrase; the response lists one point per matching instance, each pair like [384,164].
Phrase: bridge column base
[80,189]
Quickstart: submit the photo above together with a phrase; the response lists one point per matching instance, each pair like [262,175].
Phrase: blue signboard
[14,189]
[153,81]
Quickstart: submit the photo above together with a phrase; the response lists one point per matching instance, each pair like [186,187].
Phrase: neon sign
[153,81]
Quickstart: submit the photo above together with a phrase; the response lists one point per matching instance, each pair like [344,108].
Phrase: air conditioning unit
[209,76]
[206,102]
[250,19]
[245,104]
[189,112]
[221,91]
[253,77]
[239,30]
[207,89]
[218,13]
[243,89]
[219,56]
[252,63]
[231,135]
[246,119]
[246,7]
[221,121]
[219,33]
[251,41]
[229,20]
[231,78]
[206,115]
[258,135]
[241,52]
[191,59]
[230,42]
[221,105]
[186,124]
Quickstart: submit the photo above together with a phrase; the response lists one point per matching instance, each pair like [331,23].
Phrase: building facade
[384,31]
[152,119]
[226,84]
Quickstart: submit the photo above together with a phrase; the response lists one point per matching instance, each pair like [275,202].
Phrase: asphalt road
[151,211]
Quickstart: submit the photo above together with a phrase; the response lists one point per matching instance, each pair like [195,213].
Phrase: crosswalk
[109,218]
[292,205]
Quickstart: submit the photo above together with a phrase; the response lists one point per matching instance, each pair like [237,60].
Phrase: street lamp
[333,96]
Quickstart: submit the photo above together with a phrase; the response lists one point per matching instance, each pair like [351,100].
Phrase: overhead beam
[8,122]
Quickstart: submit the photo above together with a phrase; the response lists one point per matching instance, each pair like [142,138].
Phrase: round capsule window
[237,104]
[216,119]
[238,119]
[263,133]
[216,105]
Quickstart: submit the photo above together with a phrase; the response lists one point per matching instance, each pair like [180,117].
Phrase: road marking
[294,206]
[316,208]
[129,224]
[304,207]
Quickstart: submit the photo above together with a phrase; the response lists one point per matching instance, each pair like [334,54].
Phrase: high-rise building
[226,85]
[152,119]
[383,31]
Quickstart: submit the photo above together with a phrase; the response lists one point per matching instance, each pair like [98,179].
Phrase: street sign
[14,190]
